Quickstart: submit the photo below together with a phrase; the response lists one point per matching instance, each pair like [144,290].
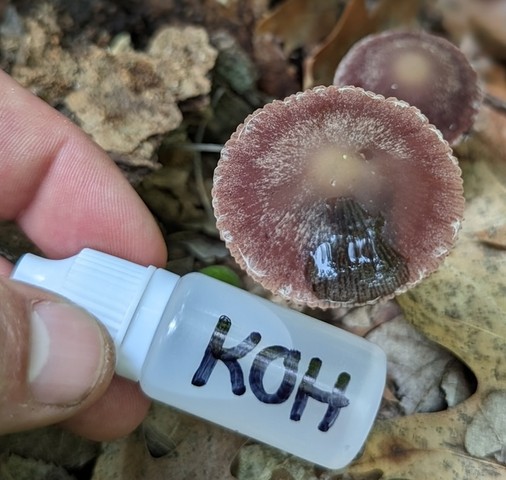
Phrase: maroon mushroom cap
[422,69]
[338,196]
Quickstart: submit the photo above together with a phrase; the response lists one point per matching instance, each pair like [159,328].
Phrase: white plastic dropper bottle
[226,355]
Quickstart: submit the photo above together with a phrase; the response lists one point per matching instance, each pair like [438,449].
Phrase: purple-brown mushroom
[338,196]
[422,69]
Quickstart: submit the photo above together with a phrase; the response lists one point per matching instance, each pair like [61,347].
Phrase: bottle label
[307,388]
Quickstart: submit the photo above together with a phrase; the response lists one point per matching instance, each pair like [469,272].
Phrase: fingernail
[68,353]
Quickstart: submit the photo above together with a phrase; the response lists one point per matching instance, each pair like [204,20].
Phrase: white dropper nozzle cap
[113,290]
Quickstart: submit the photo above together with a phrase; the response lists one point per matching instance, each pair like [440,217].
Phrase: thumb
[55,359]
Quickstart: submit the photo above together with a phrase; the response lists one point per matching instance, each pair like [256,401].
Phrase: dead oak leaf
[461,307]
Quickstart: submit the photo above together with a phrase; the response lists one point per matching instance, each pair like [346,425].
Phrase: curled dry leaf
[363,320]
[292,25]
[355,22]
[494,236]
[299,23]
[325,32]
[415,365]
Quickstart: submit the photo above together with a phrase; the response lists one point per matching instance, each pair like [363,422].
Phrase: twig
[495,102]
[199,174]
[203,147]
[198,147]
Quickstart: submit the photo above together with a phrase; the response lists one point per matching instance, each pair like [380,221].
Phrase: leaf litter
[452,320]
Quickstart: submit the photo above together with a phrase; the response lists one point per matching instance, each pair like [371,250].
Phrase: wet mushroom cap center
[337,196]
[334,171]
[411,69]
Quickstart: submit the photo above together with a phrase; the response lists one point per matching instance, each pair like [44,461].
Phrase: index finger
[62,189]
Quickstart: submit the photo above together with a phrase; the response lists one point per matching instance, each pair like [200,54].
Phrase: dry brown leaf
[494,236]
[362,320]
[317,28]
[354,23]
[50,445]
[392,14]
[278,78]
[489,25]
[171,445]
[484,21]
[491,124]
[259,462]
[415,365]
[299,23]
[14,467]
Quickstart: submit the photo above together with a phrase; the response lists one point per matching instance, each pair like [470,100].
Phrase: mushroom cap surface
[422,69]
[338,197]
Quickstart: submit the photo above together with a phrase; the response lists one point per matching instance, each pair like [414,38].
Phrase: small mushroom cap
[338,196]
[424,70]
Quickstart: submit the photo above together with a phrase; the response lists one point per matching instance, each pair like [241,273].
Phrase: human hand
[56,362]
